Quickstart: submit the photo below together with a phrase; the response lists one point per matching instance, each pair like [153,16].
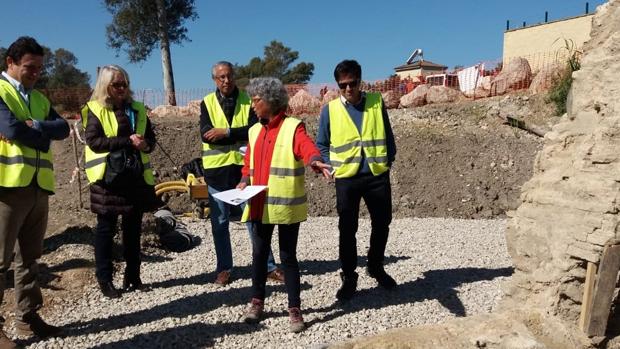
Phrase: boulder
[303,102]
[515,75]
[482,90]
[546,78]
[194,107]
[390,99]
[175,111]
[442,94]
[415,98]
[485,82]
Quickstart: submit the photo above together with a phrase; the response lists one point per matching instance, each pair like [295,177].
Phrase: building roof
[420,64]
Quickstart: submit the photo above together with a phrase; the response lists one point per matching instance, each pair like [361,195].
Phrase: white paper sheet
[236,196]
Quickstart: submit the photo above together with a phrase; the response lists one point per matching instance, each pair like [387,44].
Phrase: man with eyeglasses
[356,138]
[28,124]
[225,118]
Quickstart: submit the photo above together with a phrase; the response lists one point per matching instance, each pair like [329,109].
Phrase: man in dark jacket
[225,118]
[27,126]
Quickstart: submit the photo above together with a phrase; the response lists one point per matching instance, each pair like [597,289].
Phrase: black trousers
[377,194]
[261,244]
[131,225]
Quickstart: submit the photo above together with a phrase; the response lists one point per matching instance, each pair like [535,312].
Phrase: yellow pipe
[171,188]
[168,184]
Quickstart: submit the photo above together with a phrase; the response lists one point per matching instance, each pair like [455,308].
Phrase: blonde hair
[100,93]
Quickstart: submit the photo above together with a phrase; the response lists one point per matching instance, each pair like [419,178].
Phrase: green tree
[63,72]
[276,62]
[139,26]
[59,70]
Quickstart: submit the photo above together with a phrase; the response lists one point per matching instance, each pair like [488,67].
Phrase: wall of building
[417,72]
[539,43]
[409,73]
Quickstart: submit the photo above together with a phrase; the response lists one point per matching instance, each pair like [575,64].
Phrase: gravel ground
[445,268]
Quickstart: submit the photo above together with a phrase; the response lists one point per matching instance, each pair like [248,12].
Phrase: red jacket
[303,148]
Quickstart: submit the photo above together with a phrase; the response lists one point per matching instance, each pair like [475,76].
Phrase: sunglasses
[351,84]
[119,85]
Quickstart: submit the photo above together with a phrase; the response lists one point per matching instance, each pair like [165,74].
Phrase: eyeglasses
[119,85]
[351,84]
[223,78]
[256,99]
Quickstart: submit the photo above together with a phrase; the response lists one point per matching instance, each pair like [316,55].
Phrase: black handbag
[123,168]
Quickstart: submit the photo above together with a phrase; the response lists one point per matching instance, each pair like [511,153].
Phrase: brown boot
[296,321]
[254,311]
[6,342]
[276,275]
[32,324]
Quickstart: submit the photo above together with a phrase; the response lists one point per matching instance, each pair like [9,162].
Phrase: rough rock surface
[303,102]
[545,78]
[516,74]
[570,207]
[415,98]
[442,94]
[191,110]
[390,99]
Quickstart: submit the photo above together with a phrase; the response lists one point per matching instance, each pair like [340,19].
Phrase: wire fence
[486,78]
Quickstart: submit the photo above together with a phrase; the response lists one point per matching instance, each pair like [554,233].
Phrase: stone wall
[570,208]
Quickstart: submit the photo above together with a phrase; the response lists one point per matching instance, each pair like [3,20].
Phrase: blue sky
[379,34]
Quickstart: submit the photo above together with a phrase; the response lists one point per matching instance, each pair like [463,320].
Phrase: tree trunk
[166,61]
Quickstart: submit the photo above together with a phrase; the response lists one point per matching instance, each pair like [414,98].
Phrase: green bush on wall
[559,91]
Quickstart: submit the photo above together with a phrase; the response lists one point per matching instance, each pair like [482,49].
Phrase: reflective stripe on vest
[286,201]
[345,151]
[213,155]
[95,162]
[19,163]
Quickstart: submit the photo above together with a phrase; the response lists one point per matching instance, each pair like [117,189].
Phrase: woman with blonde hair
[119,137]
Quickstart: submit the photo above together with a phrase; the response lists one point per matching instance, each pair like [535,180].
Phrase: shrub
[559,91]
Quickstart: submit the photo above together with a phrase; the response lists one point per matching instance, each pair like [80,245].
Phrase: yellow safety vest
[214,155]
[19,163]
[346,143]
[95,163]
[286,201]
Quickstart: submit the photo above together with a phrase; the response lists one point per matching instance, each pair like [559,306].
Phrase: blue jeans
[220,219]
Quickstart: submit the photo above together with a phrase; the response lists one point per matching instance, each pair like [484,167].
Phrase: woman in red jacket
[277,150]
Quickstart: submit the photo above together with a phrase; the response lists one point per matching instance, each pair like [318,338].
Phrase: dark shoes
[276,275]
[130,286]
[347,290]
[108,289]
[296,321]
[254,311]
[32,324]
[223,278]
[383,278]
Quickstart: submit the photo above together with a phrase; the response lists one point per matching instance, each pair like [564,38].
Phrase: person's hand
[323,168]
[138,142]
[215,134]
[242,185]
[4,139]
[29,123]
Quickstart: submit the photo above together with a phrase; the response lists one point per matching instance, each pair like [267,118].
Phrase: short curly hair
[270,90]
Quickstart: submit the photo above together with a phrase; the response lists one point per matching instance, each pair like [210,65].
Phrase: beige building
[419,68]
[543,44]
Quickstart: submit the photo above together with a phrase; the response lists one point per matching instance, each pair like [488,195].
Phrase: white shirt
[18,86]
